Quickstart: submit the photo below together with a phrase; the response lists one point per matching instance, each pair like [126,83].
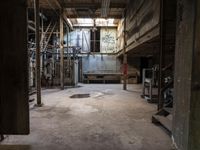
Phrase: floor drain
[80,96]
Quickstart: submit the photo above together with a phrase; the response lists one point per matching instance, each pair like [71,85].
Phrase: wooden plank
[194,135]
[61,51]
[164,121]
[183,72]
[14,108]
[93,5]
[142,22]
[148,36]
[38,50]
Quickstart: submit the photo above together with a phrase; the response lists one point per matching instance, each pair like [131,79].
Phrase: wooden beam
[186,90]
[58,4]
[61,50]
[93,5]
[117,16]
[14,105]
[125,63]
[37,40]
[31,28]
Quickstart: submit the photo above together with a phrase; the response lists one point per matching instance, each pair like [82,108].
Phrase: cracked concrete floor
[110,119]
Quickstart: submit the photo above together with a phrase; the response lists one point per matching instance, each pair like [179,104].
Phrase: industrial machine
[50,66]
[150,84]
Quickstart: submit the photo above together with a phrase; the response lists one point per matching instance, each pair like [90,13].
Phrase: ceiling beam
[96,16]
[58,4]
[93,5]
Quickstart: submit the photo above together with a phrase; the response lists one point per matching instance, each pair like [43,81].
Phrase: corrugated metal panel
[80,38]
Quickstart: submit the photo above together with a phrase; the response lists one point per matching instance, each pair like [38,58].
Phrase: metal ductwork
[105,5]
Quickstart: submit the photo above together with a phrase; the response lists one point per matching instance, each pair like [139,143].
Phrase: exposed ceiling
[85,8]
[93,8]
[73,9]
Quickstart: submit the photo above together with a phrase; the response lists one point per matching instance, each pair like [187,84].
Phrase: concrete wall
[101,63]
[108,40]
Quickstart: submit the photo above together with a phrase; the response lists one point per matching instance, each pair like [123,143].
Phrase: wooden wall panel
[142,21]
[14,108]
[194,134]
[186,119]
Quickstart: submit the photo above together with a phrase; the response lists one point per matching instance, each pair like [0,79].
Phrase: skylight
[85,21]
[89,22]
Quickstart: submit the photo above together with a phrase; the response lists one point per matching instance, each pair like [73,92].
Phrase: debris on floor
[80,96]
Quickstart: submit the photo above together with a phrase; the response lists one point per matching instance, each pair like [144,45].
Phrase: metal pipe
[42,43]
[68,55]
[94,42]
[48,39]
[45,32]
[57,37]
[31,28]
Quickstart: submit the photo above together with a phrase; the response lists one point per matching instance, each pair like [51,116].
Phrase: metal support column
[61,51]
[37,40]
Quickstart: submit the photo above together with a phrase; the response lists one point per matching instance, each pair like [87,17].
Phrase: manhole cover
[80,96]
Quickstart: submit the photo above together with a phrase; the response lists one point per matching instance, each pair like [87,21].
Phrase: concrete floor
[111,119]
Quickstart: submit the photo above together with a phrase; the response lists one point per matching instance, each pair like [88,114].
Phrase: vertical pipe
[68,55]
[94,42]
[61,51]
[81,69]
[82,39]
[43,57]
[42,34]
[125,65]
[57,37]
[143,81]
[37,40]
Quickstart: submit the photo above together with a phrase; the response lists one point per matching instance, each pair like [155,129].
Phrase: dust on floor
[109,119]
